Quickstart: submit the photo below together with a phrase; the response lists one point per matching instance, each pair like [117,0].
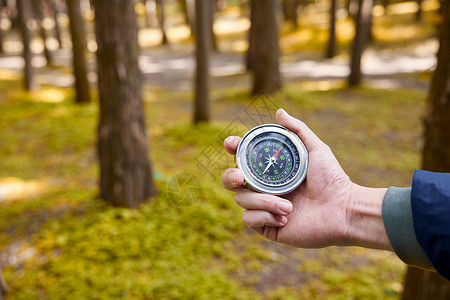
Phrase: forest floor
[59,241]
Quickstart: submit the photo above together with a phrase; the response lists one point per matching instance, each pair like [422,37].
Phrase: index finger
[231,143]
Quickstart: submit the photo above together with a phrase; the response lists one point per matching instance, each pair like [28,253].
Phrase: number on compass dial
[272,159]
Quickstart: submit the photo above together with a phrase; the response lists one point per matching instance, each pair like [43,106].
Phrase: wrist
[365,226]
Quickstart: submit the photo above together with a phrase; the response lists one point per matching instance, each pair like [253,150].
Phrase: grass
[63,242]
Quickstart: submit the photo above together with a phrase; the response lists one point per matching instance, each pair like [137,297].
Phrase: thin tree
[162,21]
[360,40]
[420,284]
[150,13]
[265,66]
[419,10]
[39,17]
[126,177]
[4,289]
[1,31]
[53,10]
[190,15]
[290,11]
[331,49]
[24,14]
[250,58]
[78,34]
[202,51]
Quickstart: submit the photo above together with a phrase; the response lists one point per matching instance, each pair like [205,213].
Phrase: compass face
[272,159]
[277,151]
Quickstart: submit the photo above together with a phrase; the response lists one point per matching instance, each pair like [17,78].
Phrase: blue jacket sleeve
[430,203]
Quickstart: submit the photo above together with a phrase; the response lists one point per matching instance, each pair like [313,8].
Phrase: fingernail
[285,206]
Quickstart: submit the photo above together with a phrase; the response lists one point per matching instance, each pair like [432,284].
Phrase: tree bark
[37,9]
[436,152]
[359,41]
[1,30]
[331,50]
[250,55]
[190,15]
[290,11]
[24,14]
[419,10]
[54,12]
[203,47]
[420,284]
[126,177]
[161,21]
[266,73]
[3,286]
[79,47]
[214,44]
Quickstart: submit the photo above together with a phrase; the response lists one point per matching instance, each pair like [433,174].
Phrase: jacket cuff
[398,222]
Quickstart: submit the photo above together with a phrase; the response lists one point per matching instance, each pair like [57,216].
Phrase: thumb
[308,137]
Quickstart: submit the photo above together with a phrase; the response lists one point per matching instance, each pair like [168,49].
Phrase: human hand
[326,209]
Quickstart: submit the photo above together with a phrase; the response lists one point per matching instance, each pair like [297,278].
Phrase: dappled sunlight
[323,85]
[9,75]
[13,188]
[178,33]
[411,7]
[149,37]
[398,33]
[49,95]
[230,26]
[375,65]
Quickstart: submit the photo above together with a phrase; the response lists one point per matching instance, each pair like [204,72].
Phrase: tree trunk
[3,286]
[360,40]
[290,11]
[419,10]
[214,44]
[331,50]
[37,9]
[203,47]
[266,73]
[161,21]
[54,12]
[24,14]
[151,18]
[420,284]
[251,51]
[79,47]
[1,31]
[190,15]
[126,177]
[436,152]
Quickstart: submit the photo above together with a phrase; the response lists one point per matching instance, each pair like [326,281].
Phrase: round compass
[272,159]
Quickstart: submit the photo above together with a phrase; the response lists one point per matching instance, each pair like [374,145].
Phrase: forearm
[365,220]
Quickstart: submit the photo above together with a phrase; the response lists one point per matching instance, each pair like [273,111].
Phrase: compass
[272,159]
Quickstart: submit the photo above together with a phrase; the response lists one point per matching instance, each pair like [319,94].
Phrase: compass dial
[272,159]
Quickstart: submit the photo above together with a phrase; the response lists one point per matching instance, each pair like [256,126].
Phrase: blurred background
[113,115]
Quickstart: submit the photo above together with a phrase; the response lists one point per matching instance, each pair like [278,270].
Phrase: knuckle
[246,218]
[268,204]
[268,219]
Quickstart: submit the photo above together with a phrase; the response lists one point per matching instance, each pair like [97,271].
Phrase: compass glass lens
[272,159]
